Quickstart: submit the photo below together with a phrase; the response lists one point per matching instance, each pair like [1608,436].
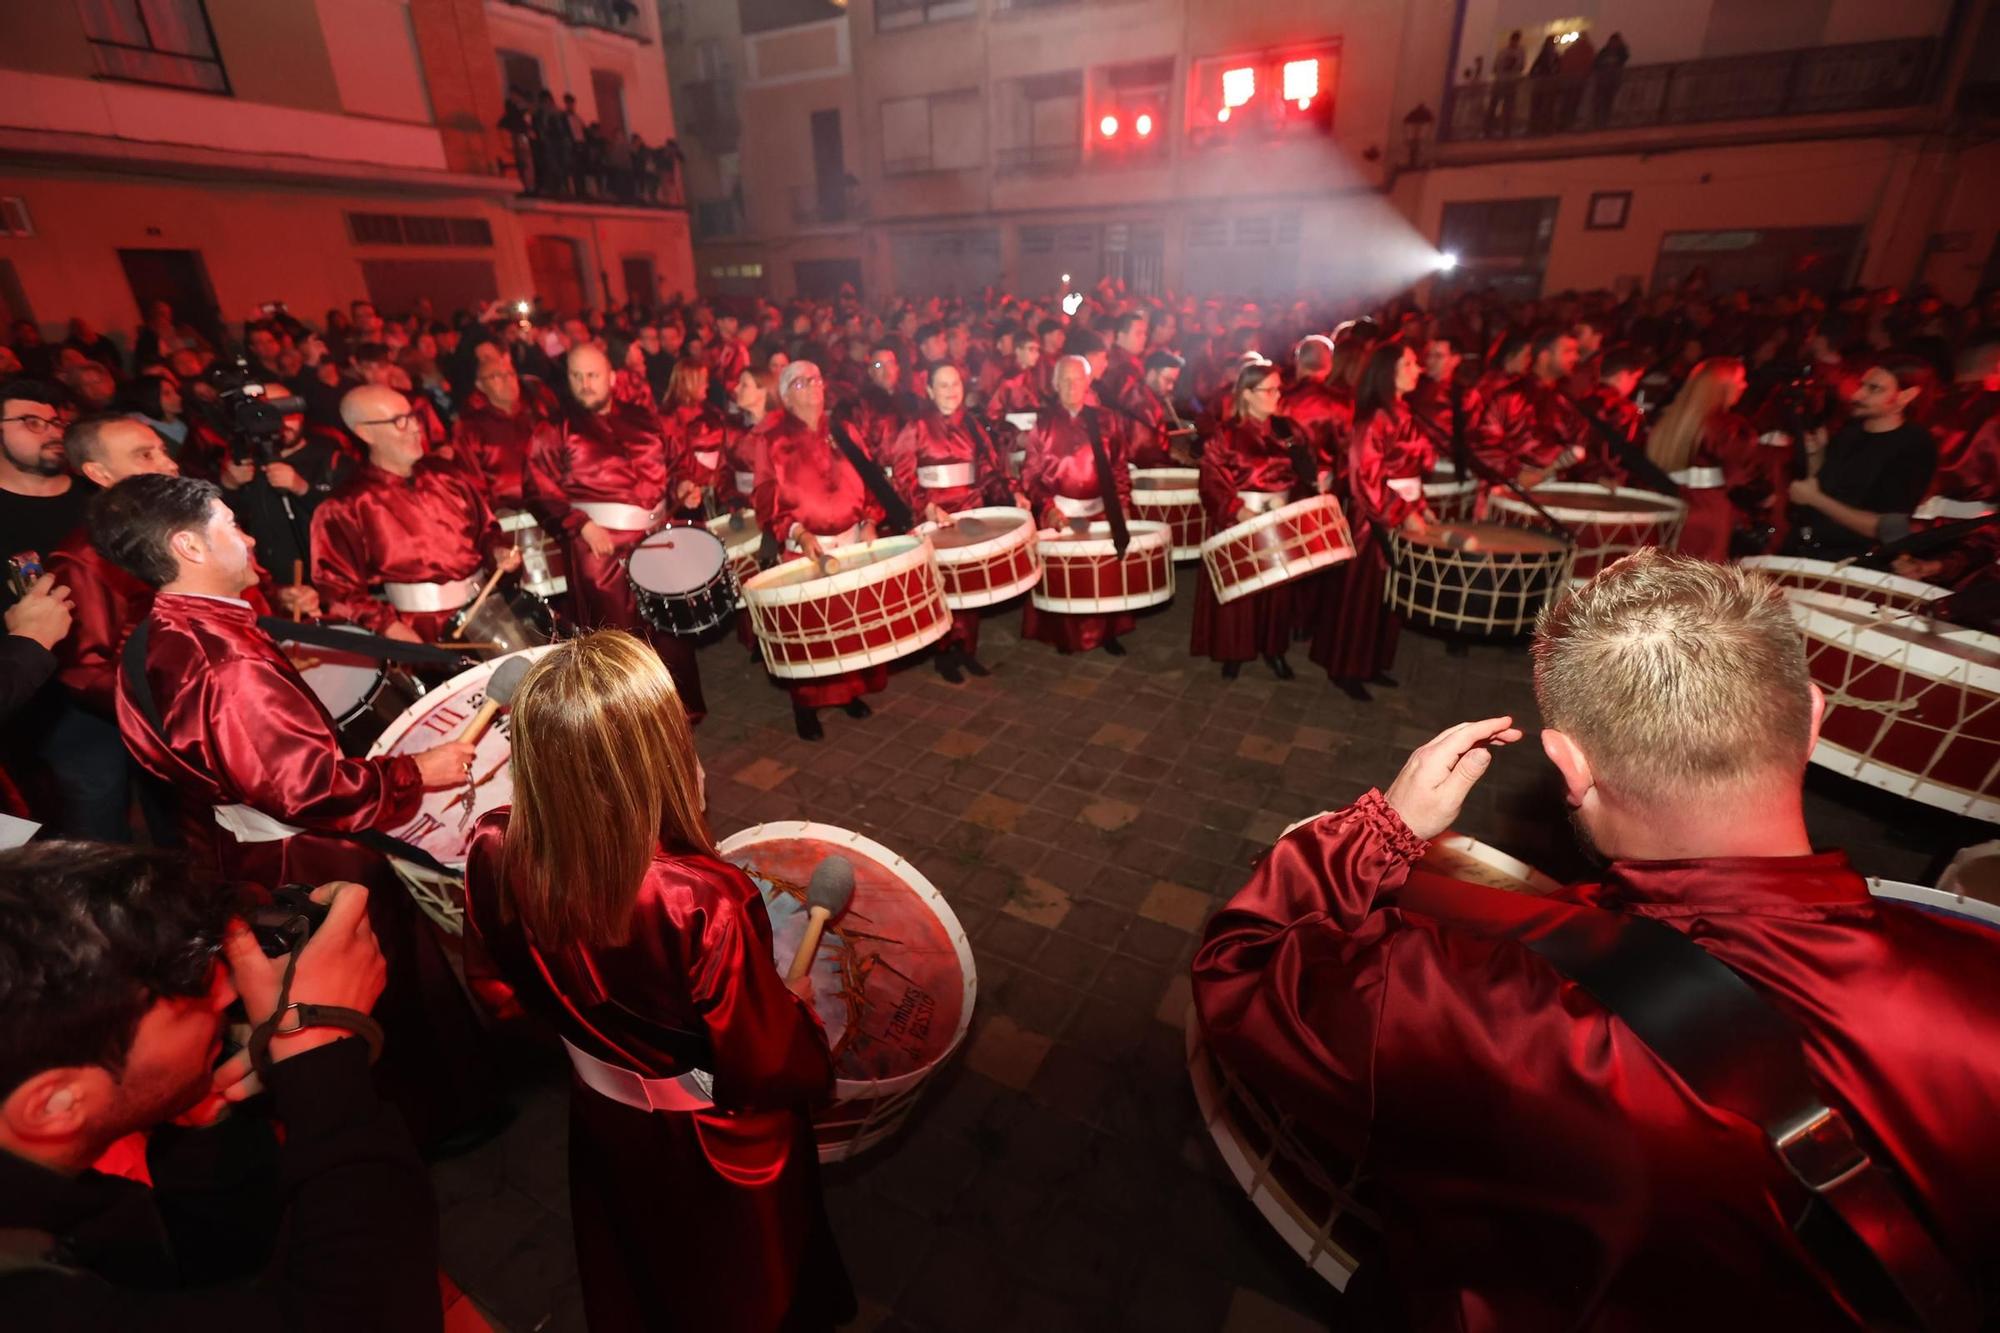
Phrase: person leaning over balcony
[1607,71]
[1507,69]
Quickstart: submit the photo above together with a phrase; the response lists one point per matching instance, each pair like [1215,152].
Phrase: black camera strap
[377,646]
[1740,1055]
[309,1016]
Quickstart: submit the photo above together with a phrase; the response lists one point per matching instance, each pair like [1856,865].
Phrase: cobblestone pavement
[1084,816]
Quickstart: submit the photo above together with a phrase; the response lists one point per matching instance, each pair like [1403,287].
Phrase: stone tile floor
[1084,816]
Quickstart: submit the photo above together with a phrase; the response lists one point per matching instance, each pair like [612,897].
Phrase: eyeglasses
[807,382]
[402,421]
[35,425]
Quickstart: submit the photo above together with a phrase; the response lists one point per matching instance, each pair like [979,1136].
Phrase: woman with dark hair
[693,1175]
[156,400]
[1387,460]
[694,432]
[1255,462]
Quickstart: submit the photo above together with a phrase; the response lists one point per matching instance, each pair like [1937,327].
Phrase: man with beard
[113,1023]
[1529,430]
[603,482]
[40,503]
[274,500]
[874,420]
[1124,364]
[1577,1175]
[1154,430]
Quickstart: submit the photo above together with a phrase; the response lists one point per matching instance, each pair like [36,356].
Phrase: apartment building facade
[936,145]
[220,154]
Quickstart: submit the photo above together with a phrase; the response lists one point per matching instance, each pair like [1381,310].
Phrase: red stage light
[1301,81]
[1223,114]
[1108,127]
[1239,86]
[1144,125]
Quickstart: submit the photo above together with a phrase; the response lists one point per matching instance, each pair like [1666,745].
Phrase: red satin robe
[1356,638]
[617,456]
[697,431]
[808,483]
[432,526]
[1122,371]
[932,439]
[1536,1166]
[496,445]
[702,1220]
[1244,456]
[1020,391]
[1430,407]
[876,417]
[1148,420]
[1525,424]
[1325,411]
[242,728]
[1967,426]
[1061,462]
[1625,421]
[744,449]
[105,603]
[1728,441]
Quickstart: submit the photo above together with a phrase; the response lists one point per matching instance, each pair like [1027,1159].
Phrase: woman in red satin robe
[746,433]
[1065,486]
[696,431]
[1247,469]
[693,1175]
[603,481]
[945,461]
[1388,458]
[1712,453]
[1535,1164]
[811,500]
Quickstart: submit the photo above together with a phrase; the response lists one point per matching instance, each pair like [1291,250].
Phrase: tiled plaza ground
[1084,816]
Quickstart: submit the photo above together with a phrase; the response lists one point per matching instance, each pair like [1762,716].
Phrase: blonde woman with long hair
[694,1181]
[1710,451]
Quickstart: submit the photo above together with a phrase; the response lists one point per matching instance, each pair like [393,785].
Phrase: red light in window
[1238,86]
[1108,127]
[1223,115]
[1144,125]
[1301,81]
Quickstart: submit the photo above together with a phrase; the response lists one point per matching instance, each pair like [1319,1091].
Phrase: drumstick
[465,617]
[474,645]
[298,577]
[499,693]
[827,896]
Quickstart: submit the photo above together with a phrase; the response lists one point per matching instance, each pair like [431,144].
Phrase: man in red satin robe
[811,501]
[1529,430]
[1321,405]
[1125,361]
[417,527]
[1617,440]
[1153,429]
[1443,409]
[1534,1163]
[498,425]
[875,418]
[603,483]
[1070,488]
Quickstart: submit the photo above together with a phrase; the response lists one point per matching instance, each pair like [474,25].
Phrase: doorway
[829,166]
[640,285]
[556,263]
[608,90]
[180,278]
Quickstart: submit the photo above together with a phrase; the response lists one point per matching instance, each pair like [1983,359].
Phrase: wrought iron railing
[814,206]
[622,16]
[1865,76]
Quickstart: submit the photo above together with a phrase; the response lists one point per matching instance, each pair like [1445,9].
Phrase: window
[942,132]
[418,229]
[607,89]
[520,72]
[167,42]
[893,14]
[1128,110]
[1041,121]
[1262,94]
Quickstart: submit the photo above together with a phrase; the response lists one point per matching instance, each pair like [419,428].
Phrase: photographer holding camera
[278,467]
[120,969]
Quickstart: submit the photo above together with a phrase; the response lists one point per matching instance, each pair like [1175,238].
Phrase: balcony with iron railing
[827,204]
[708,113]
[625,17]
[1864,76]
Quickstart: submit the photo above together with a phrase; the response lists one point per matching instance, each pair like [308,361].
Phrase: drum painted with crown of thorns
[875,602]
[893,980]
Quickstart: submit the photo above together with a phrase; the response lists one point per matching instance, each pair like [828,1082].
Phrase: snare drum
[985,556]
[1486,580]
[1083,574]
[1912,704]
[1172,495]
[893,981]
[1870,585]
[443,823]
[1608,523]
[363,695]
[1276,547]
[682,580]
[1295,1181]
[742,538]
[879,601]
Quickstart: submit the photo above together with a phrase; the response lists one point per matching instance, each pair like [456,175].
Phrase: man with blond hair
[1534,1159]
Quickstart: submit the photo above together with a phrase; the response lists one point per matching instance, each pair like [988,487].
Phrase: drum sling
[1644,472]
[895,513]
[1740,1055]
[141,689]
[1107,485]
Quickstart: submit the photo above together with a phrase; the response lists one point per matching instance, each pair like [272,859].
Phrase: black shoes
[1230,670]
[1115,648]
[973,666]
[856,708]
[807,722]
[1279,666]
[1354,690]
[948,665]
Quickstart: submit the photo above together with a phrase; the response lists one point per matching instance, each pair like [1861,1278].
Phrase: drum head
[677,560]
[1487,539]
[972,531]
[343,681]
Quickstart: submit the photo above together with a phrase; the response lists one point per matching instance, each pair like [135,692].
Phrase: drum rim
[1161,497]
[1145,532]
[1560,551]
[1668,508]
[749,542]
[1837,758]
[765,590]
[977,551]
[1881,580]
[1465,487]
[722,569]
[968,970]
[1942,900]
[1813,619]
[1245,527]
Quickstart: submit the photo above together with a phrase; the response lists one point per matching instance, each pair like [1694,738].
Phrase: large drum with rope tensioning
[869,604]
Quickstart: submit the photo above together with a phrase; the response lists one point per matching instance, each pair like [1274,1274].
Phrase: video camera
[253,421]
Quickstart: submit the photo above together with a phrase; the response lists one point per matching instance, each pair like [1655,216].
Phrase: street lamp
[1417,128]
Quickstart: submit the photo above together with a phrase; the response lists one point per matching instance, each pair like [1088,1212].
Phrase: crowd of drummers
[415,454]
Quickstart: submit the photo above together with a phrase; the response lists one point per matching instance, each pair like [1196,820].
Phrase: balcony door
[557,265]
[829,165]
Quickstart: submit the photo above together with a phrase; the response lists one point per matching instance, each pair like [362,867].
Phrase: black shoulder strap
[1305,472]
[1107,485]
[1629,455]
[895,512]
[1739,1054]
